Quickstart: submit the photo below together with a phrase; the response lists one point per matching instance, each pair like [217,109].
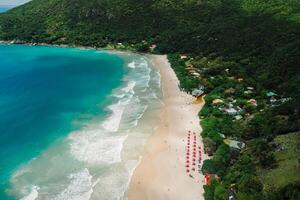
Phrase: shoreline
[16,42]
[161,173]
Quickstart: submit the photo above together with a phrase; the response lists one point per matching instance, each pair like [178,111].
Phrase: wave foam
[113,122]
[33,194]
[94,148]
[131,65]
[80,187]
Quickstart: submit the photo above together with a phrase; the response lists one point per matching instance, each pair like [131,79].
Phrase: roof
[270,94]
[234,143]
[197,92]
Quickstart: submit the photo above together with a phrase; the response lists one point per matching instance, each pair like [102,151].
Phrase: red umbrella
[187,166]
[194,159]
[187,171]
[193,169]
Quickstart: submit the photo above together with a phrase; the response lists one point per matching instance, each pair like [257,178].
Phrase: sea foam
[94,148]
[33,194]
[80,187]
[110,148]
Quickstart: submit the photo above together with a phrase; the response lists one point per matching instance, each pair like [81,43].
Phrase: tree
[209,167]
[220,192]
[221,159]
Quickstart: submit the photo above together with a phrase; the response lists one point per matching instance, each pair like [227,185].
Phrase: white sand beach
[162,175]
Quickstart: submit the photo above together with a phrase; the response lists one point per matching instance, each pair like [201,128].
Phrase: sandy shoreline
[162,171]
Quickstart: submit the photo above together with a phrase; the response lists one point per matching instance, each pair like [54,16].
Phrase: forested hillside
[246,54]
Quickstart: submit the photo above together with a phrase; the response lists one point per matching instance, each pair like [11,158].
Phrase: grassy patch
[288,167]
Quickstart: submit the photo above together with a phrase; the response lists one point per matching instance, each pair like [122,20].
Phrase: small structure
[209,177]
[240,79]
[217,101]
[231,194]
[248,92]
[195,74]
[234,144]
[183,57]
[229,91]
[271,94]
[238,117]
[253,102]
[231,111]
[198,92]
[189,67]
[152,47]
[250,88]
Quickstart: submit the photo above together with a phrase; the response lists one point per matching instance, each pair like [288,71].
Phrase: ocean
[4,8]
[73,122]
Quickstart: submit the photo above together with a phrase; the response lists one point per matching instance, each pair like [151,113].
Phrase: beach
[162,173]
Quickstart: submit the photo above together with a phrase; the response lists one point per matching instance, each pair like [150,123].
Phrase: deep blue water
[43,90]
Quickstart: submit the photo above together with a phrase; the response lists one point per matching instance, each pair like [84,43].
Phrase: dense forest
[244,54]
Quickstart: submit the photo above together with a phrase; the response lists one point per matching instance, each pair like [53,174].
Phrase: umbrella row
[193,154]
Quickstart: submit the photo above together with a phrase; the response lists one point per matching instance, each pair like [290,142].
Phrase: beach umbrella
[193,169]
[187,171]
[187,166]
[194,159]
[187,161]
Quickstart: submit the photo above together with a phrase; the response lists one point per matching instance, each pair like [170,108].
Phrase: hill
[245,53]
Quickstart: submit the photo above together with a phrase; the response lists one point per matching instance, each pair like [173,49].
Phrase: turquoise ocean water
[3,9]
[71,121]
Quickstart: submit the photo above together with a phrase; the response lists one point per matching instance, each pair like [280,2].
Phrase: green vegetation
[244,53]
[288,166]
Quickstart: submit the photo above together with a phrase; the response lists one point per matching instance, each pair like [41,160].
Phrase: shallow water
[4,8]
[83,118]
